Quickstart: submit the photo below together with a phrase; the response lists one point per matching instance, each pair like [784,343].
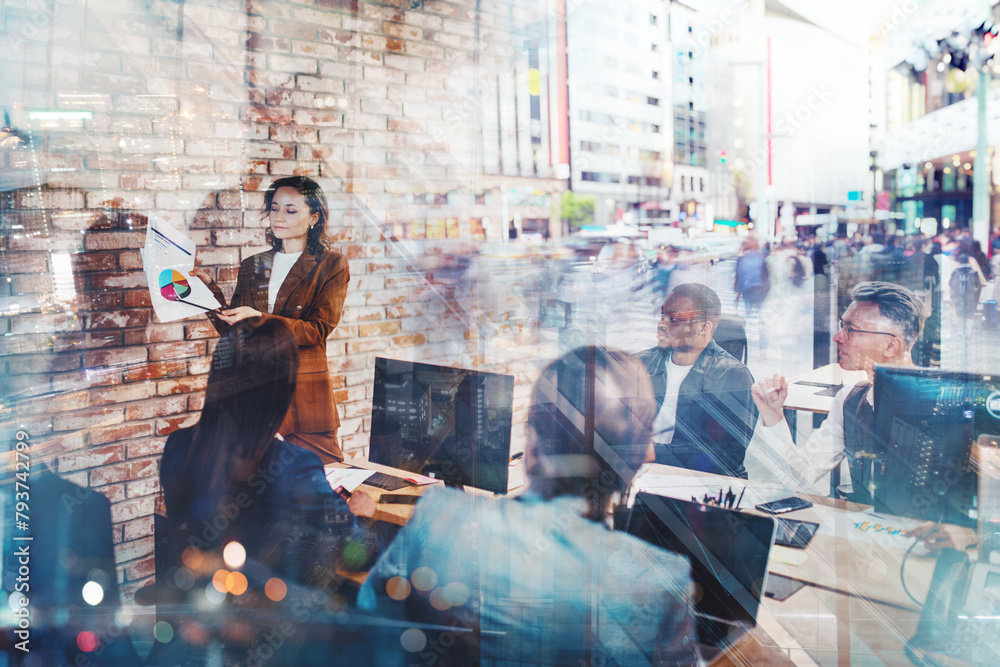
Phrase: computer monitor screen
[450,423]
[728,550]
[925,424]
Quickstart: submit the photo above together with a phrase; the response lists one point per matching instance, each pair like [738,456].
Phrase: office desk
[854,604]
[806,397]
[394,514]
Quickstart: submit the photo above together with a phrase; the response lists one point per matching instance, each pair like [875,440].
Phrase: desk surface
[854,603]
[806,396]
[395,514]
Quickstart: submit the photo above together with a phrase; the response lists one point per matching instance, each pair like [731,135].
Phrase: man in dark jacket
[706,415]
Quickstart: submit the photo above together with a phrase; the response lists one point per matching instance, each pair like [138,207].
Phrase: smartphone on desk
[784,505]
[397,499]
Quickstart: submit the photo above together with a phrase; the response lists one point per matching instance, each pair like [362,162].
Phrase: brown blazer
[311,300]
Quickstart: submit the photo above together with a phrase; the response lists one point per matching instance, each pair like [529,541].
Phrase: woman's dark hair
[592,418]
[249,389]
[308,188]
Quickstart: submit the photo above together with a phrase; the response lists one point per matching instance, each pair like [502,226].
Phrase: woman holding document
[305,284]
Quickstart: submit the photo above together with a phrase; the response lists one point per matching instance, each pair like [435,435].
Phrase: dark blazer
[716,415]
[72,545]
[311,300]
[278,515]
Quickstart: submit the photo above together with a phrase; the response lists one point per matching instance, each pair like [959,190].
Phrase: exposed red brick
[148,447]
[135,391]
[168,426]
[179,350]
[91,458]
[409,340]
[183,386]
[94,261]
[199,330]
[114,357]
[140,569]
[135,549]
[145,487]
[118,319]
[378,329]
[123,472]
[155,370]
[88,419]
[136,298]
[155,333]
[141,527]
[132,509]
[117,433]
[155,407]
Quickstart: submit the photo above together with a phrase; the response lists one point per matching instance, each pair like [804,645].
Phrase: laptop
[728,550]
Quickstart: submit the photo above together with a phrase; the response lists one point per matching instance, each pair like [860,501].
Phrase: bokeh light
[236,583]
[192,558]
[163,632]
[219,580]
[424,579]
[413,640]
[235,555]
[213,595]
[87,641]
[93,593]
[456,593]
[398,588]
[275,589]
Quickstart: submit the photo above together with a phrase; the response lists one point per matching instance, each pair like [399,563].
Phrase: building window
[654,101]
[652,19]
[599,177]
[596,117]
[656,75]
[701,184]
[654,48]
[691,80]
[656,129]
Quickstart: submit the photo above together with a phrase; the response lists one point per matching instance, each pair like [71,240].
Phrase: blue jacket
[716,414]
[531,582]
[279,515]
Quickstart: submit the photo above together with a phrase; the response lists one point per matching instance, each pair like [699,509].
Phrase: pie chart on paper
[173,285]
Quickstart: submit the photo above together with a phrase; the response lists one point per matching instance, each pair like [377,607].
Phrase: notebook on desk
[729,553]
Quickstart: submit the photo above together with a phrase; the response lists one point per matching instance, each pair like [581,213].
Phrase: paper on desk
[420,480]
[787,555]
[693,486]
[347,478]
[871,528]
[167,259]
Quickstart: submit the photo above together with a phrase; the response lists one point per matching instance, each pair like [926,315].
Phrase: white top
[666,418]
[283,263]
[773,456]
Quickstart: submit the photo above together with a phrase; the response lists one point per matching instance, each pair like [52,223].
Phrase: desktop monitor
[450,423]
[728,550]
[925,424]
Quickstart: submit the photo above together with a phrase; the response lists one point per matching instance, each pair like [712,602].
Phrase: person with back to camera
[228,478]
[542,580]
[305,284]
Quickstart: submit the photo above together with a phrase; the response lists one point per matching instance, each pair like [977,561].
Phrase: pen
[343,493]
[741,497]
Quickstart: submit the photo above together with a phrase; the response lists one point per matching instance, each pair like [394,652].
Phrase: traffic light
[722,156]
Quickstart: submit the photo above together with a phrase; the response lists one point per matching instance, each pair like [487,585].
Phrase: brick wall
[193,109]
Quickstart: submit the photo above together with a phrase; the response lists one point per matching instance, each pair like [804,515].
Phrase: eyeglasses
[681,318]
[850,331]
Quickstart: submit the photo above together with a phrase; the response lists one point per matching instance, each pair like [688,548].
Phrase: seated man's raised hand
[769,395]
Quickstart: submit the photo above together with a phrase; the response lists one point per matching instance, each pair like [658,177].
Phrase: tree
[577,210]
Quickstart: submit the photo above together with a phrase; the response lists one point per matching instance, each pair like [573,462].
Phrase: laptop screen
[728,551]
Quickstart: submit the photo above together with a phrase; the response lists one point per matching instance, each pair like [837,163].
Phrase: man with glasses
[705,415]
[880,326]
